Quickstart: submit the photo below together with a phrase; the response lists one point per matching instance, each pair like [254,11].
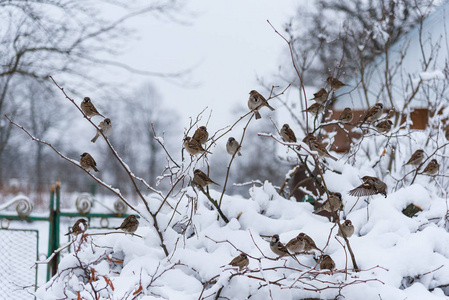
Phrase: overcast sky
[229,43]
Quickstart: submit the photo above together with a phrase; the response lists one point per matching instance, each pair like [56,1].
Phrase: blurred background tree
[67,40]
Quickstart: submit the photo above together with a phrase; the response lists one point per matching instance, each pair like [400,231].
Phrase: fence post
[51,230]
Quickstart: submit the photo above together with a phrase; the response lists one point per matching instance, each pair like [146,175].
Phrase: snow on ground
[399,257]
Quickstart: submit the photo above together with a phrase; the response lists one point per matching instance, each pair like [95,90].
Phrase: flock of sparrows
[88,108]
[301,244]
[129,225]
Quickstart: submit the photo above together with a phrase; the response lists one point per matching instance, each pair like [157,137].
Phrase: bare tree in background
[65,39]
[133,133]
[326,35]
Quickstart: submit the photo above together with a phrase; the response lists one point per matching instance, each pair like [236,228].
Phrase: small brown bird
[315,109]
[334,83]
[432,168]
[373,113]
[347,228]
[346,115]
[89,109]
[287,134]
[257,101]
[105,127]
[233,146]
[370,186]
[327,263]
[332,204]
[80,226]
[296,245]
[240,261]
[277,247]
[88,162]
[416,158]
[309,244]
[315,145]
[320,96]
[384,126]
[201,179]
[130,224]
[201,135]
[193,146]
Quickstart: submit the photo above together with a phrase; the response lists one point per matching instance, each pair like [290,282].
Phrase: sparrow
[287,134]
[277,247]
[240,261]
[348,229]
[201,179]
[296,244]
[193,146]
[346,115]
[373,113]
[334,83]
[80,226]
[332,204]
[315,145]
[130,224]
[233,146]
[201,135]
[88,162]
[327,263]
[309,244]
[320,96]
[256,101]
[432,168]
[89,109]
[105,127]
[416,158]
[384,126]
[315,108]
[370,186]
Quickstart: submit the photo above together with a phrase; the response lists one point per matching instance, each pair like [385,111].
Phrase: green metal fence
[12,241]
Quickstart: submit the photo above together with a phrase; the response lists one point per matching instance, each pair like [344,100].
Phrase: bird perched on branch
[327,263]
[277,247]
[309,244]
[373,113]
[296,245]
[232,146]
[432,168]
[315,108]
[105,127]
[347,228]
[334,83]
[370,186]
[256,101]
[193,146]
[80,226]
[88,162]
[201,135]
[315,145]
[416,158]
[320,96]
[240,261]
[201,179]
[287,134]
[346,115]
[332,204]
[89,109]
[384,126]
[130,224]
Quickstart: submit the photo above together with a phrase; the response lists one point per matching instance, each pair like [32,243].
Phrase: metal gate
[18,253]
[19,247]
